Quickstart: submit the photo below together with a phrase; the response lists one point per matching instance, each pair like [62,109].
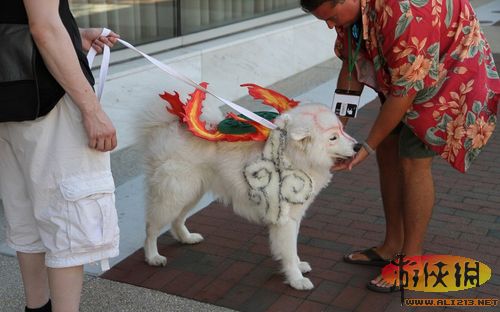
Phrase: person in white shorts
[55,178]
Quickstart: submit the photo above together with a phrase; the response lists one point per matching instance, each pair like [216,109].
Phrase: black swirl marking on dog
[258,179]
[273,182]
[298,187]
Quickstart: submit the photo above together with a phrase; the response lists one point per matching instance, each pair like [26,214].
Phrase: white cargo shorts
[58,194]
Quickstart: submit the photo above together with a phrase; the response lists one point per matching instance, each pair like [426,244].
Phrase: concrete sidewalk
[466,222]
[98,295]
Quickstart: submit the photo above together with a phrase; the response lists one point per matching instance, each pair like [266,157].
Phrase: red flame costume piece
[190,112]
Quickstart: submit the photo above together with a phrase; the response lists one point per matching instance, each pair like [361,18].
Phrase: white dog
[271,182]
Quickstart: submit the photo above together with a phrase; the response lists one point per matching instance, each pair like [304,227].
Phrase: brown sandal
[382,289]
[373,258]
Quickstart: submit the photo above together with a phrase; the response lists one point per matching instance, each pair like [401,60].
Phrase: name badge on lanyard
[346,102]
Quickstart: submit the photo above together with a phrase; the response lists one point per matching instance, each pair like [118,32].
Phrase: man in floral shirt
[434,71]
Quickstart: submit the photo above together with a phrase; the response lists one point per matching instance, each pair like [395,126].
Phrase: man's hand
[100,130]
[348,164]
[91,38]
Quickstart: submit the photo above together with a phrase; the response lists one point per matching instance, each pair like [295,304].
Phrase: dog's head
[315,135]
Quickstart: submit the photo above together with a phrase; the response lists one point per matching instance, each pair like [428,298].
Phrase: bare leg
[418,202]
[35,279]
[392,196]
[66,288]
[391,182]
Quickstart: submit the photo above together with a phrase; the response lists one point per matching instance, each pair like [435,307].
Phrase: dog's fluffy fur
[181,167]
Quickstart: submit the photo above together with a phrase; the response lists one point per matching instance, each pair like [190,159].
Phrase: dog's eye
[333,138]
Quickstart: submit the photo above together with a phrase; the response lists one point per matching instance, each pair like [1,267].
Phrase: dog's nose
[357,147]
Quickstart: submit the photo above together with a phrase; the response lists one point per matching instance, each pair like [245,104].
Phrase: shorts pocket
[92,218]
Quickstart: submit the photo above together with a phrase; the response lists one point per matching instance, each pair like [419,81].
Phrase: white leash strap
[104,70]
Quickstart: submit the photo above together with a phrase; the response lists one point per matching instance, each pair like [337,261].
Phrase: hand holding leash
[97,38]
[99,128]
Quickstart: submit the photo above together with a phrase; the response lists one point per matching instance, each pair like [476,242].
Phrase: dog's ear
[300,134]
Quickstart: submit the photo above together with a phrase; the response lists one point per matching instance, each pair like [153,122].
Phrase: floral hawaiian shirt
[436,50]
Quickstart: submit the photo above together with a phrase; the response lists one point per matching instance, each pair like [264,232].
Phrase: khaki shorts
[58,194]
[410,146]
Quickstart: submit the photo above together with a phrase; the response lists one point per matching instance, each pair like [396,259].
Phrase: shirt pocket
[92,217]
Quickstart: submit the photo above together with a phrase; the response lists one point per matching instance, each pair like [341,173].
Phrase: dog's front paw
[193,238]
[302,284]
[157,260]
[304,267]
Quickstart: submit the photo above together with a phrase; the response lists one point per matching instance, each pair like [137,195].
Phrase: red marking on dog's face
[320,124]
[346,135]
[316,117]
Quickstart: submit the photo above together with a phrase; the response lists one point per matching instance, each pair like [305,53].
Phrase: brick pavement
[233,267]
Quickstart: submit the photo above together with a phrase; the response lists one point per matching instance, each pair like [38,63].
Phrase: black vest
[50,92]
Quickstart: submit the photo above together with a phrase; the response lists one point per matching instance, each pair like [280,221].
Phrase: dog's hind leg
[283,239]
[171,188]
[179,229]
[151,253]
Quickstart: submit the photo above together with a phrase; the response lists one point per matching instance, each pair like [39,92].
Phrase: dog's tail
[156,115]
